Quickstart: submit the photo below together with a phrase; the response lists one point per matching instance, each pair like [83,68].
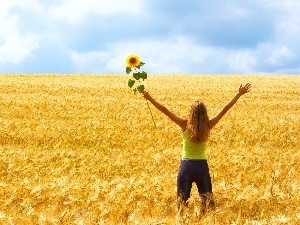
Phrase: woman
[196,129]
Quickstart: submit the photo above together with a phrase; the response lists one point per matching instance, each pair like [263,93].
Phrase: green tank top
[192,150]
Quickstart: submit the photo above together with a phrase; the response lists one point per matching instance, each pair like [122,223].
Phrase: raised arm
[242,90]
[176,119]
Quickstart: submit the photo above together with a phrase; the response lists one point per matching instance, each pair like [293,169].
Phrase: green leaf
[134,91]
[144,75]
[142,63]
[137,75]
[128,70]
[131,83]
[140,88]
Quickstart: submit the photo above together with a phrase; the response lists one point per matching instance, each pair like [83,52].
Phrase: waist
[194,155]
[186,159]
[193,151]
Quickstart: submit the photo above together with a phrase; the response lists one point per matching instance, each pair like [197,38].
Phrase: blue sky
[171,36]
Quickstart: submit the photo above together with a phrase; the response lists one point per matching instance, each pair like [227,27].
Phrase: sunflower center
[132,60]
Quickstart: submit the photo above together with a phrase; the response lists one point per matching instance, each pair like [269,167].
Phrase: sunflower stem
[151,113]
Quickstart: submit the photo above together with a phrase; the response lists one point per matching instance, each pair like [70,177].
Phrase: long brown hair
[198,123]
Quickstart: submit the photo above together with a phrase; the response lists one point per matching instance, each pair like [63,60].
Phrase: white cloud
[61,27]
[280,55]
[241,61]
[31,5]
[288,29]
[88,59]
[179,55]
[233,12]
[287,5]
[17,48]
[287,18]
[74,11]
[14,46]
[182,55]
[176,55]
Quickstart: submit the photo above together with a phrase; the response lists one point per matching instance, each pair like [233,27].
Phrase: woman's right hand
[244,89]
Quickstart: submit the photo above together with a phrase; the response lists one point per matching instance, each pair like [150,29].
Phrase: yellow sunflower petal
[133,61]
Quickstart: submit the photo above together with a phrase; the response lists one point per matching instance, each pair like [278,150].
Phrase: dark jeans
[194,171]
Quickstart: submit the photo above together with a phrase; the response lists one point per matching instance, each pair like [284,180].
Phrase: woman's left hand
[146,95]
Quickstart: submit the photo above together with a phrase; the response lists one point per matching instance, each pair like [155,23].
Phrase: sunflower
[133,61]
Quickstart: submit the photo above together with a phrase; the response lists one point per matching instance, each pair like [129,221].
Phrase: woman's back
[192,150]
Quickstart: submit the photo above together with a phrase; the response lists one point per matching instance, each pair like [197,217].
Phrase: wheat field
[83,149]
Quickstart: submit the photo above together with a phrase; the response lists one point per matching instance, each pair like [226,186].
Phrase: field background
[82,149]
